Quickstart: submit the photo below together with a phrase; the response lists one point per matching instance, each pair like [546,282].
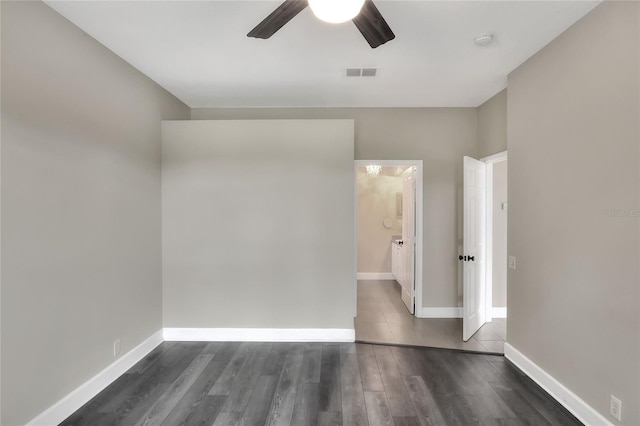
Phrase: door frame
[490,161]
[419,284]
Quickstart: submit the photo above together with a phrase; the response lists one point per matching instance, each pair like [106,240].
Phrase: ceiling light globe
[336,11]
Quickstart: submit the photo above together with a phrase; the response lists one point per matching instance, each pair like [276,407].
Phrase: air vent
[369,72]
[361,72]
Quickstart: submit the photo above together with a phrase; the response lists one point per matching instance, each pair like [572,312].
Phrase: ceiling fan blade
[283,14]
[372,25]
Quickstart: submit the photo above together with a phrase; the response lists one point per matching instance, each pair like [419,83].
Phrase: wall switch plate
[116,347]
[615,408]
[512,262]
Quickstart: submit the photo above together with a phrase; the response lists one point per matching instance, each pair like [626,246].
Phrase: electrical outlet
[116,347]
[512,262]
[615,408]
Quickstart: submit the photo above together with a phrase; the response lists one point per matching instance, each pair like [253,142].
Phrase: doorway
[484,256]
[497,205]
[388,217]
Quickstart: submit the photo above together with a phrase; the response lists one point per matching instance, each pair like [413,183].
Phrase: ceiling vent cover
[361,72]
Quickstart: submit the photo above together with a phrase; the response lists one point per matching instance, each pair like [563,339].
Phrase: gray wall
[376,199]
[492,125]
[574,301]
[438,136]
[257,224]
[499,267]
[81,250]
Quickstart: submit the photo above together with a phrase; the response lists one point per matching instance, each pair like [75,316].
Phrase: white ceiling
[198,50]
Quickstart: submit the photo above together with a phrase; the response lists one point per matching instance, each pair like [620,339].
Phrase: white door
[473,255]
[409,240]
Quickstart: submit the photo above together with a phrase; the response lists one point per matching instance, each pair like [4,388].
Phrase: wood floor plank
[436,376]
[311,363]
[284,399]
[484,367]
[484,413]
[212,348]
[452,364]
[260,401]
[369,371]
[198,392]
[114,395]
[319,384]
[305,412]
[348,348]
[133,394]
[399,400]
[142,365]
[202,414]
[519,405]
[408,421]
[330,418]
[170,361]
[445,387]
[424,403]
[273,366]
[354,411]
[229,419]
[513,422]
[491,406]
[547,407]
[224,384]
[457,411]
[246,379]
[408,361]
[378,411]
[167,369]
[163,406]
[329,398]
[134,408]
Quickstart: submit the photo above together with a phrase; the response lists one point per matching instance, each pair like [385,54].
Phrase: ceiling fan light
[336,11]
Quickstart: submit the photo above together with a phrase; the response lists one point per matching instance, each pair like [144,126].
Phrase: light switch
[512,262]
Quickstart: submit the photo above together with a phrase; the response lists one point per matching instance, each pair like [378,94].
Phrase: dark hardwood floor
[232,383]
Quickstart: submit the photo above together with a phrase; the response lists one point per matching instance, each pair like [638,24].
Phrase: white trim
[499,312]
[495,158]
[418,164]
[443,312]
[366,276]
[572,402]
[260,334]
[488,244]
[81,395]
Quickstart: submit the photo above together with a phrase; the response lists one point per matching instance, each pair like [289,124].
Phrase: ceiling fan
[364,14]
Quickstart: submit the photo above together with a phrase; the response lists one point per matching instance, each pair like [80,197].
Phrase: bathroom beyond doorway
[389,230]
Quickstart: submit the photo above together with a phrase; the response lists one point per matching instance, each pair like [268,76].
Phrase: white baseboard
[72,402]
[443,312]
[367,276]
[453,312]
[499,312]
[260,334]
[572,402]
